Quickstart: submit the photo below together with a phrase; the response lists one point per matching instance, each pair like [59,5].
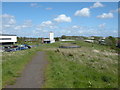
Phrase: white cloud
[116,10]
[102,25]
[83,12]
[34,5]
[7,16]
[26,24]
[97,4]
[46,24]
[8,21]
[87,31]
[48,8]
[75,26]
[105,15]
[62,18]
[17,27]
[12,21]
[7,26]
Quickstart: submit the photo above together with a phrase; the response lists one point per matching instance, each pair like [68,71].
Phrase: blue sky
[37,19]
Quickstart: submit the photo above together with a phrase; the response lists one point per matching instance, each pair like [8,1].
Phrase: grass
[91,66]
[13,63]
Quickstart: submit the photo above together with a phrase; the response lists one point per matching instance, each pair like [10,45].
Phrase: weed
[106,78]
[81,68]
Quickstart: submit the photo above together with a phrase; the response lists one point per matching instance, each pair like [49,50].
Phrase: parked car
[23,48]
[27,46]
[10,50]
[2,49]
[6,47]
[16,48]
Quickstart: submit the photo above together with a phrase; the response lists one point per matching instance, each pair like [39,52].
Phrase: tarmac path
[33,74]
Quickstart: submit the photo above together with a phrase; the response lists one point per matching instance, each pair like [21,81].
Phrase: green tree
[110,41]
[57,39]
[63,37]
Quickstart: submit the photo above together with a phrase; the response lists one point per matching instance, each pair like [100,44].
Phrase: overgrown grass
[91,66]
[13,63]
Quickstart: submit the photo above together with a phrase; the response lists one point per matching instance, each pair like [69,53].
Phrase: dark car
[6,47]
[29,46]
[14,46]
[10,49]
[22,48]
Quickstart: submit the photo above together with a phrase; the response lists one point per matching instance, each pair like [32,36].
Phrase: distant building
[91,38]
[103,38]
[30,40]
[50,40]
[90,41]
[66,40]
[8,39]
[102,41]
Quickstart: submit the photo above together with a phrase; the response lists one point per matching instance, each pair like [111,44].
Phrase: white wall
[66,40]
[51,36]
[89,41]
[52,41]
[13,39]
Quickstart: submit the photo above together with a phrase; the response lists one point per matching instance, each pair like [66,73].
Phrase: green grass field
[91,66]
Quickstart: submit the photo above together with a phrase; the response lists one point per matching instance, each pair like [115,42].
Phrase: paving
[33,74]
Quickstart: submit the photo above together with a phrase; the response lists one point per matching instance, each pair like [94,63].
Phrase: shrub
[106,78]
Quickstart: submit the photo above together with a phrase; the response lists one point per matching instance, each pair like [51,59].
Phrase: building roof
[7,35]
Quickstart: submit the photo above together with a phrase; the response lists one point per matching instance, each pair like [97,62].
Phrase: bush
[57,39]
[110,41]
[106,78]
[63,37]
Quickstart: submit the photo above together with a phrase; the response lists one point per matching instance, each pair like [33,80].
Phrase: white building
[91,41]
[8,39]
[51,38]
[66,40]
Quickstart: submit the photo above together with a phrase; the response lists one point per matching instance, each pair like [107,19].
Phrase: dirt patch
[105,52]
[109,53]
[96,51]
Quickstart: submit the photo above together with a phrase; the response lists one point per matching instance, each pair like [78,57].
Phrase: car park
[16,47]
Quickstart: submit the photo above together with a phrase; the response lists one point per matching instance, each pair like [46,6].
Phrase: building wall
[51,36]
[8,39]
[66,40]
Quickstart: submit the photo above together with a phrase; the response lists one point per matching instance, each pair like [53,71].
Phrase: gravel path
[33,74]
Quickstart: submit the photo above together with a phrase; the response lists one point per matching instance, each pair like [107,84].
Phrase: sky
[37,19]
